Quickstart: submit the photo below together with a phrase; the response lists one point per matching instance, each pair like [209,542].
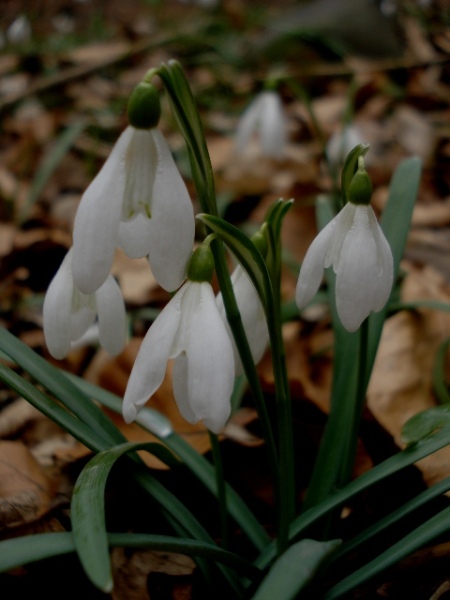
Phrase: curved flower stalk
[265,117]
[354,244]
[190,330]
[69,314]
[252,315]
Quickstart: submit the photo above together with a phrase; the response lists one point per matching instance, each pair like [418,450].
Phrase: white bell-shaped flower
[68,313]
[341,143]
[264,117]
[354,244]
[190,330]
[252,315]
[139,202]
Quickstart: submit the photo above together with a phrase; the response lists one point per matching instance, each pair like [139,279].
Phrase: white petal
[96,227]
[273,126]
[252,315]
[111,316]
[385,261]
[172,226]
[180,388]
[210,363]
[140,165]
[342,224]
[311,271]
[357,279]
[134,236]
[248,123]
[83,316]
[151,362]
[57,309]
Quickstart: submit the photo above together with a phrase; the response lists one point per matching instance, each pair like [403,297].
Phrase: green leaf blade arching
[295,569]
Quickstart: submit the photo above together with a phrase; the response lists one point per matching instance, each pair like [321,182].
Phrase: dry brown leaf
[401,383]
[308,379]
[133,569]
[25,490]
[15,416]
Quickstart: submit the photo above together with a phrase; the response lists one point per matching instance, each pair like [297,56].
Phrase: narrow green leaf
[394,517]
[422,535]
[50,408]
[392,465]
[295,569]
[59,385]
[88,511]
[426,422]
[20,551]
[157,424]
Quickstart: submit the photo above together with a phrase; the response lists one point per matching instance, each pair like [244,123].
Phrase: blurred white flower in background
[265,118]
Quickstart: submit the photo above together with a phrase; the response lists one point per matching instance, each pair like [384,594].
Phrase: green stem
[221,489]
[351,439]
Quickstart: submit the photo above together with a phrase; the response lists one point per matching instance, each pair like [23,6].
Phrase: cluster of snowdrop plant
[139,202]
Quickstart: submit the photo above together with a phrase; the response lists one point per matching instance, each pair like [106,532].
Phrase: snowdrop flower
[341,143]
[69,314]
[190,330]
[252,315]
[139,202]
[265,117]
[354,245]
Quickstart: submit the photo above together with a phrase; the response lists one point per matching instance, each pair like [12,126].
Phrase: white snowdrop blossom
[139,202]
[190,330]
[252,315]
[69,314]
[352,243]
[341,143]
[264,117]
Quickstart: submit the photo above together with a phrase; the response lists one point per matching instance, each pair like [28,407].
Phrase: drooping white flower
[264,117]
[252,315]
[341,143]
[139,202]
[190,330]
[68,313]
[354,244]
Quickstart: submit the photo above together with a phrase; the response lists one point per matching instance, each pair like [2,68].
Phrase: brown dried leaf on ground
[25,490]
[401,383]
[137,572]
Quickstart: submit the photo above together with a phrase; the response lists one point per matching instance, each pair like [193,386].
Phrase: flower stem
[221,489]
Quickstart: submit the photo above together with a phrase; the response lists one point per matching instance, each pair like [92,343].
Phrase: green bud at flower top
[360,188]
[144,107]
[201,265]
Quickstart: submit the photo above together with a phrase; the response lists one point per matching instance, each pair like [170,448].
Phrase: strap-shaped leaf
[295,569]
[88,510]
[200,467]
[416,539]
[392,465]
[20,551]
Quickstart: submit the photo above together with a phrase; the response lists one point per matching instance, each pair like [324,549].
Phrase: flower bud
[144,108]
[360,188]
[260,240]
[201,265]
